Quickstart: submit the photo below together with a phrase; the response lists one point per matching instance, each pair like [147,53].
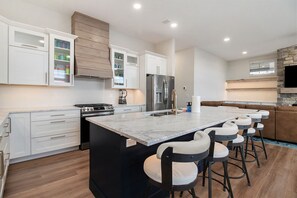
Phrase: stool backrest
[264,113]
[242,122]
[256,117]
[190,151]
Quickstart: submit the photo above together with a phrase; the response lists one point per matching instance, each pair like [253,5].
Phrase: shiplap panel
[91,47]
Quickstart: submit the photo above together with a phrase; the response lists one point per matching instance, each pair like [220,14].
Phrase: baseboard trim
[41,155]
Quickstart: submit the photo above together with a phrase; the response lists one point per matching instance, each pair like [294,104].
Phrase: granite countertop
[4,112]
[149,130]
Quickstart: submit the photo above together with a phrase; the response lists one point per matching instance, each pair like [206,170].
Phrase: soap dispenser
[189,107]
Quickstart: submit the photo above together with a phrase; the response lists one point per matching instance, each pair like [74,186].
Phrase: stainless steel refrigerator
[158,92]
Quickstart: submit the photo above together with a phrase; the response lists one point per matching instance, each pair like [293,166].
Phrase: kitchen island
[119,144]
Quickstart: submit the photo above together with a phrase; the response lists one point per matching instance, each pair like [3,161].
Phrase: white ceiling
[257,26]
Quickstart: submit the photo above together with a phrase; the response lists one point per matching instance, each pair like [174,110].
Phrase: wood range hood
[91,47]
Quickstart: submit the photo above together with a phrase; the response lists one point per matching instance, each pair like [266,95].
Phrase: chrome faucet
[174,101]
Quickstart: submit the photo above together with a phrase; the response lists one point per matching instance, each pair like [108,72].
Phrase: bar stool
[219,153]
[243,123]
[249,134]
[260,128]
[173,168]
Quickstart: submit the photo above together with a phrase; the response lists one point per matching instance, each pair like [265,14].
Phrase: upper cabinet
[155,64]
[3,52]
[61,62]
[28,57]
[21,37]
[125,67]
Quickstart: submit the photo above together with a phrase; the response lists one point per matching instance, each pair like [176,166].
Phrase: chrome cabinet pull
[59,121]
[31,46]
[2,166]
[57,115]
[46,78]
[58,137]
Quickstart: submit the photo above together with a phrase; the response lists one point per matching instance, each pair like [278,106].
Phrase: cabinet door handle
[31,46]
[126,83]
[46,81]
[58,137]
[72,79]
[59,121]
[57,115]
[2,167]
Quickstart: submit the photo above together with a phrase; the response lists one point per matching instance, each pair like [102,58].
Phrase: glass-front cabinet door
[118,59]
[61,61]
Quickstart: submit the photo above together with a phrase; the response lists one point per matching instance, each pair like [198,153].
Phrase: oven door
[85,128]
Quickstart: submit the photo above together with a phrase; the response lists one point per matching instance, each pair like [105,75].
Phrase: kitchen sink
[163,113]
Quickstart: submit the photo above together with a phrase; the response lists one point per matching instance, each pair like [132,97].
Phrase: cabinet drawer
[55,142]
[55,115]
[54,127]
[5,128]
[127,110]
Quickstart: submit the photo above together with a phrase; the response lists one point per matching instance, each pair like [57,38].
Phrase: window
[259,68]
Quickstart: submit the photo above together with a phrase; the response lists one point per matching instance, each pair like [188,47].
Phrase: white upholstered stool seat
[220,150]
[260,126]
[264,113]
[182,173]
[239,139]
[251,131]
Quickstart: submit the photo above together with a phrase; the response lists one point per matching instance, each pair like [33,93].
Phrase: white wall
[85,90]
[240,69]
[167,48]
[209,76]
[184,76]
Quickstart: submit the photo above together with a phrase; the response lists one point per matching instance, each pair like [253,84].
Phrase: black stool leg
[193,193]
[224,187]
[204,171]
[172,194]
[181,194]
[263,144]
[236,150]
[255,152]
[225,163]
[244,165]
[246,145]
[209,181]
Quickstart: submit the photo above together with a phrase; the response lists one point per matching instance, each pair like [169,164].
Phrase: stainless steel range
[91,110]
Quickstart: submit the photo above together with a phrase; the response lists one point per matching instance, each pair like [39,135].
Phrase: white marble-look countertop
[4,112]
[149,130]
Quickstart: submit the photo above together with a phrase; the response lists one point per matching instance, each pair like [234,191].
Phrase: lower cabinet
[4,153]
[20,136]
[41,132]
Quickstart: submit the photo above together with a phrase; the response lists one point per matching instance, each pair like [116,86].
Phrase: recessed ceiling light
[227,39]
[244,52]
[173,25]
[137,6]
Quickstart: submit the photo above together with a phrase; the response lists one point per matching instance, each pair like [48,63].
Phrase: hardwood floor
[66,175]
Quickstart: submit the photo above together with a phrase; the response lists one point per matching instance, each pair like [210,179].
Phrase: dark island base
[117,171]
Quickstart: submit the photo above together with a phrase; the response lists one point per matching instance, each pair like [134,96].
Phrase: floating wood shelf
[253,89]
[288,90]
[274,78]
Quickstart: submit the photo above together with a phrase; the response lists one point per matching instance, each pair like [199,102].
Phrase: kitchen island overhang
[116,168]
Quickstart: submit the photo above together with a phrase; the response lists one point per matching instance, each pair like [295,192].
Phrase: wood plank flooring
[66,175]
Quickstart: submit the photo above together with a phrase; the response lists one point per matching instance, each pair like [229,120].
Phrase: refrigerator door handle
[165,92]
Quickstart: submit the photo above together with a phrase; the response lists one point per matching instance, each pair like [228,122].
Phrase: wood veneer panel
[91,47]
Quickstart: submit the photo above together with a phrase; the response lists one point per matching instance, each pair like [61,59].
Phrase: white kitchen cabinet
[20,136]
[4,153]
[132,77]
[3,53]
[61,60]
[155,64]
[27,66]
[25,38]
[125,66]
[54,130]
[126,109]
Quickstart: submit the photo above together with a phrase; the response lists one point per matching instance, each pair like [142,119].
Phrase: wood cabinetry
[20,137]
[3,52]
